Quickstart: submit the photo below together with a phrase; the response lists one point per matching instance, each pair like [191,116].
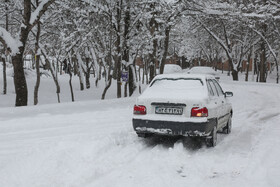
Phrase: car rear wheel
[227,128]
[211,140]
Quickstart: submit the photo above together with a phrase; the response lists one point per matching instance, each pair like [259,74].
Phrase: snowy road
[93,144]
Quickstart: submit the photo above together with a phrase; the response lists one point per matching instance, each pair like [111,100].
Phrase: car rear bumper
[174,128]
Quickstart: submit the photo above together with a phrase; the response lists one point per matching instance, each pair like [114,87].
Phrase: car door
[219,103]
[215,100]
[222,98]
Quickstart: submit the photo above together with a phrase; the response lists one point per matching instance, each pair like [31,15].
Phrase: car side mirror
[228,94]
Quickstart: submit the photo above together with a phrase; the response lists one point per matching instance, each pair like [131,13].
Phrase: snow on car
[204,70]
[172,68]
[183,104]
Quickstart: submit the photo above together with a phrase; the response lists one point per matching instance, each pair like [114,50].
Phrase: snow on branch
[8,41]
[269,46]
[275,3]
[216,38]
[231,10]
[40,10]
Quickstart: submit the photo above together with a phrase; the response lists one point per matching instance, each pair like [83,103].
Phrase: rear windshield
[172,83]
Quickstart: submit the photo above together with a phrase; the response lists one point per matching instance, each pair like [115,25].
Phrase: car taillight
[199,112]
[139,110]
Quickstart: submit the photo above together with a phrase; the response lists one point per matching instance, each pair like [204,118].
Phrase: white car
[204,70]
[185,105]
[172,68]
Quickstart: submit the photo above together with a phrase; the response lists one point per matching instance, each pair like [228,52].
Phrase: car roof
[201,67]
[203,70]
[184,75]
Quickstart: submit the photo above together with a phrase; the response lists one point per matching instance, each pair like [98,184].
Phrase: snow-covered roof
[202,70]
[172,68]
[184,75]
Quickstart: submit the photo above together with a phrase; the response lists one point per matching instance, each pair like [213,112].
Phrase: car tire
[144,135]
[211,140]
[227,128]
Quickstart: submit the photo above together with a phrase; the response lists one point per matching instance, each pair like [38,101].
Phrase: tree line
[106,37]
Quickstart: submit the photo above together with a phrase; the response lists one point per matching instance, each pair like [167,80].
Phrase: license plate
[169,110]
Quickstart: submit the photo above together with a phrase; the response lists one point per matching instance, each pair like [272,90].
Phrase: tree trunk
[247,71]
[153,28]
[153,61]
[147,77]
[97,79]
[87,74]
[234,74]
[19,79]
[3,59]
[4,77]
[56,83]
[166,44]
[61,68]
[110,77]
[152,71]
[36,88]
[228,70]
[139,74]
[125,89]
[144,73]
[262,63]
[262,70]
[139,79]
[256,64]
[80,75]
[75,67]
[53,76]
[18,62]
[131,81]
[118,46]
[37,63]
[277,74]
[107,87]
[248,65]
[70,83]
[258,72]
[81,82]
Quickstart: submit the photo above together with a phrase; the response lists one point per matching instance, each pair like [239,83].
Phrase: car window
[172,83]
[219,89]
[209,88]
[211,83]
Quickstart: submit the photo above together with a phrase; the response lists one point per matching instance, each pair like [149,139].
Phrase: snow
[92,142]
[172,68]
[183,75]
[175,88]
[36,13]
[12,43]
[202,70]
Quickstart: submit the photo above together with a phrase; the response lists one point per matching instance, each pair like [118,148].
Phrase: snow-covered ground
[47,90]
[92,143]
